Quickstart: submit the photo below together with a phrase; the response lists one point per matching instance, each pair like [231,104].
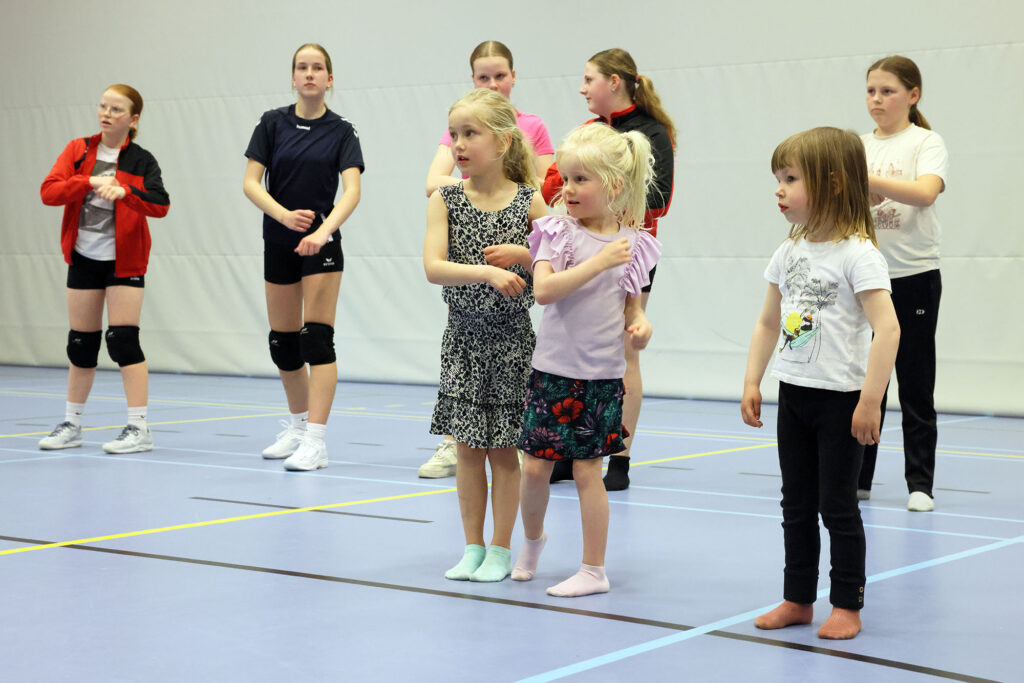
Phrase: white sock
[137,416]
[529,555]
[316,432]
[299,420]
[587,581]
[73,413]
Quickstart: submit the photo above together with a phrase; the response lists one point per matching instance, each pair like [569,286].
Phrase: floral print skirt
[572,418]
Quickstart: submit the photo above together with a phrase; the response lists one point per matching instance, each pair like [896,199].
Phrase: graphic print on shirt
[806,298]
[887,217]
[97,213]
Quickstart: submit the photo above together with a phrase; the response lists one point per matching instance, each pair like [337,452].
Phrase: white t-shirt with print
[907,235]
[96,219]
[825,336]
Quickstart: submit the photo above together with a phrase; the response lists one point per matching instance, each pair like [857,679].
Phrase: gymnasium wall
[736,76]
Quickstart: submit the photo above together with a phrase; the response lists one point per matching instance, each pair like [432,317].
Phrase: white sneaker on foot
[441,463]
[64,435]
[920,501]
[286,442]
[130,440]
[310,455]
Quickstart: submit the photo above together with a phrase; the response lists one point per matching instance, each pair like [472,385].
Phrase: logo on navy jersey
[302,127]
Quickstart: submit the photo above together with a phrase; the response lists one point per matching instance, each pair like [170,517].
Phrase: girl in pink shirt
[589,268]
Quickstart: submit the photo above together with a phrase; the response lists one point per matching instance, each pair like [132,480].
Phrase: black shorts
[650,276]
[282,266]
[87,273]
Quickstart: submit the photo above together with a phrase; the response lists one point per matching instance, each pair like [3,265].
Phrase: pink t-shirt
[581,336]
[533,128]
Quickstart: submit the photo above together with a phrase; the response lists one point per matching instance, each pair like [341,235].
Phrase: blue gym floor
[201,561]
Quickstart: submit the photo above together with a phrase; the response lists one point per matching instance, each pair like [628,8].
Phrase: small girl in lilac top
[588,270]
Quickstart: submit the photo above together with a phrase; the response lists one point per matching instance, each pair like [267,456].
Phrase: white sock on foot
[316,432]
[587,581]
[73,413]
[529,555]
[137,416]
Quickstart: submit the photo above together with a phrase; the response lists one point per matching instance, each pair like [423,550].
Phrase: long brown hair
[835,175]
[639,88]
[136,100]
[909,75]
[499,117]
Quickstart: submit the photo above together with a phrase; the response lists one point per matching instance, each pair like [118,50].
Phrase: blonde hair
[623,162]
[136,99]
[909,75]
[835,175]
[639,88]
[498,116]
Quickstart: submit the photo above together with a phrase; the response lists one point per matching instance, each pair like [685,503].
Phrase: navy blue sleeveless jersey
[304,159]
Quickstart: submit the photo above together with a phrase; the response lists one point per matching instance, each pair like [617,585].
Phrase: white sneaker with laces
[920,501]
[64,435]
[130,440]
[441,463]
[286,442]
[310,455]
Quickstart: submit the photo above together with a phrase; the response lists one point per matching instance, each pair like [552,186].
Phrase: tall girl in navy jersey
[302,149]
[475,246]
[107,185]
[828,291]
[589,270]
[907,163]
[626,100]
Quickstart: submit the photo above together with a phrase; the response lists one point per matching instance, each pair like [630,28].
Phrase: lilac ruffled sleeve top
[581,336]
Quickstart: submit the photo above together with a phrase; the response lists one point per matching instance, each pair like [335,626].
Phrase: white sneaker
[64,435]
[286,443]
[130,440]
[310,455]
[920,501]
[441,463]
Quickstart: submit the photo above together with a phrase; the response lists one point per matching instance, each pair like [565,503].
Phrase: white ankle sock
[529,555]
[137,416]
[315,431]
[587,581]
[73,413]
[299,420]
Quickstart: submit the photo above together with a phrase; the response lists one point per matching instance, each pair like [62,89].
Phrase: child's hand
[640,334]
[867,424]
[875,199]
[110,192]
[311,244]
[615,253]
[750,406]
[98,181]
[501,255]
[505,281]
[298,220]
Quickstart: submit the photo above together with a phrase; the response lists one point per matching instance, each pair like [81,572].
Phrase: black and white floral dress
[489,340]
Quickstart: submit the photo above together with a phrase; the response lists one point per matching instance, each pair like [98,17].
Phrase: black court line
[666,467]
[963,491]
[329,512]
[867,659]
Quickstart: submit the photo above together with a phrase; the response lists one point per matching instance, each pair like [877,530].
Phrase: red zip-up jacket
[659,197]
[137,172]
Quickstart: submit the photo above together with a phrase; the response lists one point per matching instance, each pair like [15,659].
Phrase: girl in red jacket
[107,185]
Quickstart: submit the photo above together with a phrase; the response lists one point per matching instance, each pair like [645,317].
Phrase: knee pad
[123,345]
[284,350]
[84,348]
[316,342]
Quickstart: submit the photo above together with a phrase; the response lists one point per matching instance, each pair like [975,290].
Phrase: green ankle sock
[496,565]
[469,563]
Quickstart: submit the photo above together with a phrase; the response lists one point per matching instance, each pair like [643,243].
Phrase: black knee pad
[123,345]
[316,342]
[284,350]
[84,348]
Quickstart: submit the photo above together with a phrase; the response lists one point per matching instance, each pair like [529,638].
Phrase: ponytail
[637,178]
[517,162]
[917,118]
[648,100]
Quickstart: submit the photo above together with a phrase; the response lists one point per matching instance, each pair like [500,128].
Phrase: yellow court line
[157,424]
[700,455]
[193,525]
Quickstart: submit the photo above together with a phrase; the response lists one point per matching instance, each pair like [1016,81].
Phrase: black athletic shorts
[282,266]
[650,276]
[87,273]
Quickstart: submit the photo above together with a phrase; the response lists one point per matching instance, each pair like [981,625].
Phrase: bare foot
[842,624]
[786,614]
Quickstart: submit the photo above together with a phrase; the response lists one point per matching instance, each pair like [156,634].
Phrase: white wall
[736,76]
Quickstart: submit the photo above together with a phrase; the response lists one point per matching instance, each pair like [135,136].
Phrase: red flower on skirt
[611,437]
[567,410]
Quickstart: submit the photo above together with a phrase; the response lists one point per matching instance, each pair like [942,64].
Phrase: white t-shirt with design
[96,220]
[907,235]
[825,336]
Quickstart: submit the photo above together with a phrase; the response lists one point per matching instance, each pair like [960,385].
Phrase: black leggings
[820,461]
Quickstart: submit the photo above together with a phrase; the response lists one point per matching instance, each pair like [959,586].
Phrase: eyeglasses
[112,109]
